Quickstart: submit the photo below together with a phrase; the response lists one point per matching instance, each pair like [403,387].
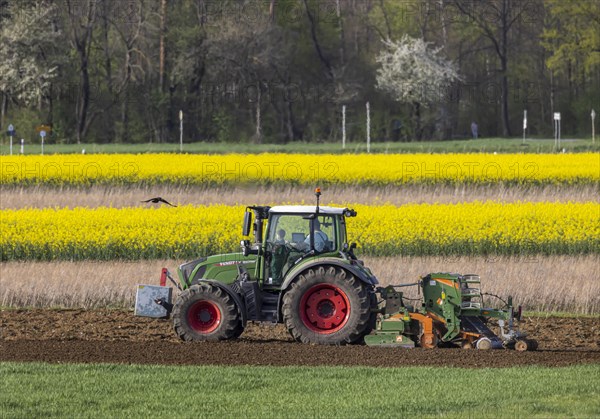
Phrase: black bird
[157,200]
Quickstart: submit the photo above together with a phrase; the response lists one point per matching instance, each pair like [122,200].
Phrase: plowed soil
[61,336]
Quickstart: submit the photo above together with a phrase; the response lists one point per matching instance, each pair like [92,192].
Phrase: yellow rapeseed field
[376,169]
[189,231]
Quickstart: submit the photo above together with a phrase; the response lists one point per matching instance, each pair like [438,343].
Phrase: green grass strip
[44,390]
[481,145]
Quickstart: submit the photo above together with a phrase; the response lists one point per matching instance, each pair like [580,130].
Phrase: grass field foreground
[45,390]
[301,169]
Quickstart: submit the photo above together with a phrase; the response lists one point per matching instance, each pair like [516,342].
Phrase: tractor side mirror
[245,246]
[247,223]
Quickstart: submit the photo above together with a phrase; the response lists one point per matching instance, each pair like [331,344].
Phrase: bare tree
[247,55]
[81,18]
[495,20]
[129,31]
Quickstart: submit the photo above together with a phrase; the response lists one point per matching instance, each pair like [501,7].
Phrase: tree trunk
[272,11]
[552,93]
[291,130]
[3,109]
[107,59]
[417,119]
[50,118]
[506,132]
[108,68]
[162,52]
[163,125]
[82,43]
[84,97]
[258,115]
[124,137]
[341,28]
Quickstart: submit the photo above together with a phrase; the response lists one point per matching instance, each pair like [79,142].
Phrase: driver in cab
[320,239]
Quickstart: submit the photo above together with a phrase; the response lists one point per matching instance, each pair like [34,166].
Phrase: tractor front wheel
[206,312]
[327,305]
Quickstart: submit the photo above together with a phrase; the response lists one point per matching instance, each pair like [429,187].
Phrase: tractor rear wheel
[327,305]
[206,312]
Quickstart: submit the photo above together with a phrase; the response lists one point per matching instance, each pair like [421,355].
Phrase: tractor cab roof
[309,209]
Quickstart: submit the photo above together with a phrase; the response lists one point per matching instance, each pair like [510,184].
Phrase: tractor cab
[286,236]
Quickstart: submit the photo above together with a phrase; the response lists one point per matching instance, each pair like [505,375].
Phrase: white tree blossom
[412,72]
[28,65]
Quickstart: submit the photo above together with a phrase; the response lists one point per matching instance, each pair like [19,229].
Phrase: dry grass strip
[555,283]
[130,196]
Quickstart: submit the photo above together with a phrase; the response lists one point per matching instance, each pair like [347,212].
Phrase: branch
[313,34]
[481,24]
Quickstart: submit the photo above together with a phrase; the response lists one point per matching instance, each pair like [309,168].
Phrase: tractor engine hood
[223,268]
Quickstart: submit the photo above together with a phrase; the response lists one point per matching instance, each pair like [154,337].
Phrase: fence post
[368,128]
[343,126]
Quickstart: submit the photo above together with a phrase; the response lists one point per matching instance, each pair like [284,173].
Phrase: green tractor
[300,270]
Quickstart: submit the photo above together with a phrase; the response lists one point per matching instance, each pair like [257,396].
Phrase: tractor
[300,270]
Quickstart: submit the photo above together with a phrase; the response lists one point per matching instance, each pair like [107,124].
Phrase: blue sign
[42,133]
[11,131]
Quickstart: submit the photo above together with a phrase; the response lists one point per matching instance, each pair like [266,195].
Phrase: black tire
[372,324]
[327,305]
[206,312]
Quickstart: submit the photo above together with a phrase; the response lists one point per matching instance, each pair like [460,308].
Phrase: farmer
[474,130]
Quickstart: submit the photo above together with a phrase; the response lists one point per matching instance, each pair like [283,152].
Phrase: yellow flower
[189,231]
[371,169]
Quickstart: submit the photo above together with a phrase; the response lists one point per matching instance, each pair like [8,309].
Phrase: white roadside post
[11,134]
[524,125]
[368,128]
[557,130]
[181,131]
[22,145]
[43,135]
[343,126]
[593,115]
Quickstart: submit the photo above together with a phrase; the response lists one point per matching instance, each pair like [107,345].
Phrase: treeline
[281,70]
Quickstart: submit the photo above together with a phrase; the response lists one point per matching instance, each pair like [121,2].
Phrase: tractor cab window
[327,226]
[295,231]
[289,238]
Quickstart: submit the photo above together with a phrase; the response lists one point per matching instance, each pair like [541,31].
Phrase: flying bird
[157,200]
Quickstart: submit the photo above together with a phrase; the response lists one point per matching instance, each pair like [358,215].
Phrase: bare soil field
[116,336]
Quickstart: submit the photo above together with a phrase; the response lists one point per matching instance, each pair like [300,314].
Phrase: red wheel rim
[324,309]
[204,316]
